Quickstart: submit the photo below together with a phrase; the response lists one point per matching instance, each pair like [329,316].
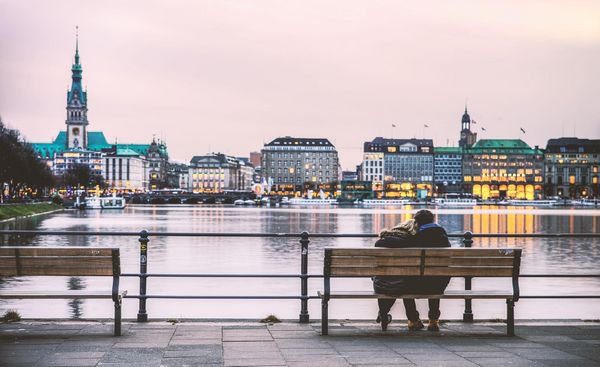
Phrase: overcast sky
[228,76]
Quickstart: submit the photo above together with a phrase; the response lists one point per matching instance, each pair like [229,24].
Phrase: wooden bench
[422,262]
[64,261]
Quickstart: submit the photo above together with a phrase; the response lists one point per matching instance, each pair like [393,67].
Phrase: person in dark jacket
[427,234]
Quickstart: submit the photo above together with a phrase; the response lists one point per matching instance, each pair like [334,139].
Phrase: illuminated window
[391,149]
[571,180]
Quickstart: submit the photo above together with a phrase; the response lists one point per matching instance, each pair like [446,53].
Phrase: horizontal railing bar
[172,275]
[542,296]
[167,296]
[286,235]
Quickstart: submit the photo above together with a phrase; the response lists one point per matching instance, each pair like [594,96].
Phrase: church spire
[77,44]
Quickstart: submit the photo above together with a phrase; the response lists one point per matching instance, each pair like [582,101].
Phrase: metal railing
[304,240]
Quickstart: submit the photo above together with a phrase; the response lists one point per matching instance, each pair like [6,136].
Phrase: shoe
[434,325]
[415,325]
[384,323]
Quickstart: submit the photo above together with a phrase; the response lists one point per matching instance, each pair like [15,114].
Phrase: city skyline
[344,73]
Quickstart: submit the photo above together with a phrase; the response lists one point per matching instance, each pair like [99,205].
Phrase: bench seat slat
[55,294]
[473,271]
[375,261]
[368,252]
[352,271]
[469,261]
[55,251]
[448,294]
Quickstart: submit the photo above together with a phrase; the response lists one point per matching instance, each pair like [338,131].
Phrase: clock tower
[467,137]
[76,107]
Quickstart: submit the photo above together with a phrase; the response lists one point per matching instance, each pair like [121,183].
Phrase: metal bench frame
[64,261]
[356,263]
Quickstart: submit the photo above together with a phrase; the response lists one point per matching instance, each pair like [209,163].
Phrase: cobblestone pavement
[567,343]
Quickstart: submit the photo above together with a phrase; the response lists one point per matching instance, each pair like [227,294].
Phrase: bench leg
[118,318]
[324,317]
[510,317]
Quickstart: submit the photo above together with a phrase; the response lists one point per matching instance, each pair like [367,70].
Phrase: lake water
[280,255]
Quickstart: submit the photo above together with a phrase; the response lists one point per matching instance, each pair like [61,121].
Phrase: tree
[81,175]
[20,168]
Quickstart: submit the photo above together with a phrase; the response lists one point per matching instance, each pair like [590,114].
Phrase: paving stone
[398,360]
[254,362]
[71,362]
[194,341]
[542,353]
[188,362]
[501,362]
[331,363]
[485,354]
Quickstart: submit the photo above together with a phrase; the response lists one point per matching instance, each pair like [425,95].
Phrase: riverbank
[558,343]
[12,211]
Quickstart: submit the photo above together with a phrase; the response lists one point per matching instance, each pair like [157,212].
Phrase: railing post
[304,241]
[468,313]
[142,316]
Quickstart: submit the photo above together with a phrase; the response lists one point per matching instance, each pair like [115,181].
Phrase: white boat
[377,202]
[249,202]
[239,202]
[586,202]
[516,202]
[455,202]
[108,202]
[303,201]
[285,200]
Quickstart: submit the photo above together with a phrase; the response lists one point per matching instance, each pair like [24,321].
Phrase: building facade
[125,170]
[298,161]
[571,167]
[217,173]
[447,170]
[503,169]
[399,167]
[76,145]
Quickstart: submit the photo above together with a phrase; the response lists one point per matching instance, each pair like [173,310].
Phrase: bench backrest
[467,262]
[65,261]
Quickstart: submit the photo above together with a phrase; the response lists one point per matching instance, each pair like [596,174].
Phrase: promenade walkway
[567,343]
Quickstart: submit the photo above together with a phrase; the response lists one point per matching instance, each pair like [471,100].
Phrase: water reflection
[281,255]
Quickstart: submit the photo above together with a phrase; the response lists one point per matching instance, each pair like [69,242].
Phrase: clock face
[76,131]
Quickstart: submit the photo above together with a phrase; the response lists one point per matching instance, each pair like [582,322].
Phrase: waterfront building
[467,137]
[447,170]
[498,169]
[158,159]
[125,170]
[399,167]
[255,159]
[178,175]
[217,173]
[76,145]
[300,162]
[572,166]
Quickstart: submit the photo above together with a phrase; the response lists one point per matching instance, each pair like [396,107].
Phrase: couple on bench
[421,231]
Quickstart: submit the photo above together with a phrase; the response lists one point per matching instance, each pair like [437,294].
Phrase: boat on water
[304,201]
[105,202]
[244,202]
[380,202]
[586,202]
[516,202]
[455,202]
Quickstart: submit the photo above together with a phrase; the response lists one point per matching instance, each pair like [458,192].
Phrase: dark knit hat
[423,217]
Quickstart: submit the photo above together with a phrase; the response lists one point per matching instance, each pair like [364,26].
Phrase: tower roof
[465,116]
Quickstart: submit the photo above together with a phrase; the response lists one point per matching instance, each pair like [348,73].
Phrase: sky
[229,76]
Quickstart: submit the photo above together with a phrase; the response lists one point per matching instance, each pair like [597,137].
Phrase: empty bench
[64,261]
[422,262]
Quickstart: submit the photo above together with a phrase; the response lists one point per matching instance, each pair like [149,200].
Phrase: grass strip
[9,211]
